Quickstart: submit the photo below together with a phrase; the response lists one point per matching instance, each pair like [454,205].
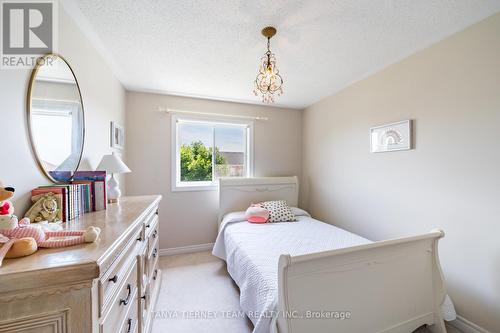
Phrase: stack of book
[78,193]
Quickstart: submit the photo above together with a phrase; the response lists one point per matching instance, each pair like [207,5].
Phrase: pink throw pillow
[257,214]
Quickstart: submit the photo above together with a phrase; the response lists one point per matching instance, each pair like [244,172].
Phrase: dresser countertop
[80,262]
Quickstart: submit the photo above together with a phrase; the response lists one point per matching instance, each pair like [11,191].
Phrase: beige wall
[451,180]
[103,98]
[190,218]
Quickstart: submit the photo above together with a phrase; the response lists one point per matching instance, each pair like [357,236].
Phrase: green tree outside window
[196,162]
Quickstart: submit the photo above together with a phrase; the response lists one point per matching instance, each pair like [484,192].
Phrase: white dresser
[109,286]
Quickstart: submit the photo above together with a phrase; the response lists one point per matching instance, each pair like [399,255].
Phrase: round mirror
[55,117]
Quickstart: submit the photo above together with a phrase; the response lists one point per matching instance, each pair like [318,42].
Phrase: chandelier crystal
[268,82]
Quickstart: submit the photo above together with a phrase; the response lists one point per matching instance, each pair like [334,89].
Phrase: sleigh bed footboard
[392,286]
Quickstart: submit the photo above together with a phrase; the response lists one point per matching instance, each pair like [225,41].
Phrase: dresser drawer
[152,231]
[149,303]
[116,274]
[150,221]
[124,300]
[154,253]
[130,323]
[155,275]
[143,284]
[154,283]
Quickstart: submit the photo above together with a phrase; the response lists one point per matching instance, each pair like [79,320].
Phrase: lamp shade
[112,164]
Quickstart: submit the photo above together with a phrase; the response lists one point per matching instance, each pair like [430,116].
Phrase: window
[207,149]
[57,128]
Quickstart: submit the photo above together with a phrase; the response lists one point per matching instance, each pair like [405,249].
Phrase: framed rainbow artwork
[391,137]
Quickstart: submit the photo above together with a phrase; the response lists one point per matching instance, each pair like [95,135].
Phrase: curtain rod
[169,110]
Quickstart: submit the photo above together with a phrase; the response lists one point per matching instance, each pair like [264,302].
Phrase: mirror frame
[29,98]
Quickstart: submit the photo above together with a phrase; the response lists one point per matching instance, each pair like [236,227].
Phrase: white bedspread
[251,252]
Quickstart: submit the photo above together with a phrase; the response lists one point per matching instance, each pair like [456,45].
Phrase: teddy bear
[45,208]
[20,239]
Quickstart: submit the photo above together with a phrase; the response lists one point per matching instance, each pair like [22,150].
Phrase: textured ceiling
[211,48]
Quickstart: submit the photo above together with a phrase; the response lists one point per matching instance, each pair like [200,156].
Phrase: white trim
[193,186]
[220,115]
[186,249]
[466,326]
[175,147]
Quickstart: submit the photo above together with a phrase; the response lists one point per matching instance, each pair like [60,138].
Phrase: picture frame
[391,137]
[117,136]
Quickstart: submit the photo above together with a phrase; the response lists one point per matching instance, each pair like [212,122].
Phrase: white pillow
[299,212]
[279,211]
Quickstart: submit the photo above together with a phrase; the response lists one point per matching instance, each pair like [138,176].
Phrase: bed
[310,276]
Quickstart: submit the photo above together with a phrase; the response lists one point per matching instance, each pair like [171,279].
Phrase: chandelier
[268,82]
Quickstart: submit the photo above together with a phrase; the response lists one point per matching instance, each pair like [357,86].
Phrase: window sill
[194,188]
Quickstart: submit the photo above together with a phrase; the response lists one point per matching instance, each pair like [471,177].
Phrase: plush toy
[12,247]
[256,213]
[20,239]
[45,208]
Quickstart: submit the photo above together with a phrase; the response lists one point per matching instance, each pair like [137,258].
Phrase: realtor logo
[28,30]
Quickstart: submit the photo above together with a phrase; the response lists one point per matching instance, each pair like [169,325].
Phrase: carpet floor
[198,295]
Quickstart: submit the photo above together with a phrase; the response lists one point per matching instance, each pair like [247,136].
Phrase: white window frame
[175,119]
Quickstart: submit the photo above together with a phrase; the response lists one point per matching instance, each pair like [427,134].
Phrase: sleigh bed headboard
[237,194]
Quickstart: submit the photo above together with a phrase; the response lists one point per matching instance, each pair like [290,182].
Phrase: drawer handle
[156,274]
[156,212]
[155,252]
[113,279]
[139,239]
[148,225]
[143,297]
[126,300]
[155,233]
[129,325]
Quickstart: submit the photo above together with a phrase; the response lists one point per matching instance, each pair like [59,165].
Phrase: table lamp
[112,164]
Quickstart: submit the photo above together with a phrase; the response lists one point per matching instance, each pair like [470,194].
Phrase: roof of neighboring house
[234,157]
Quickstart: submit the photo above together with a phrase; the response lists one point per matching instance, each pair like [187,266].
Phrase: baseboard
[186,249]
[466,326]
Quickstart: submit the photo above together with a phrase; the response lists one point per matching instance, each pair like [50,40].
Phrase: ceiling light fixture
[268,82]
